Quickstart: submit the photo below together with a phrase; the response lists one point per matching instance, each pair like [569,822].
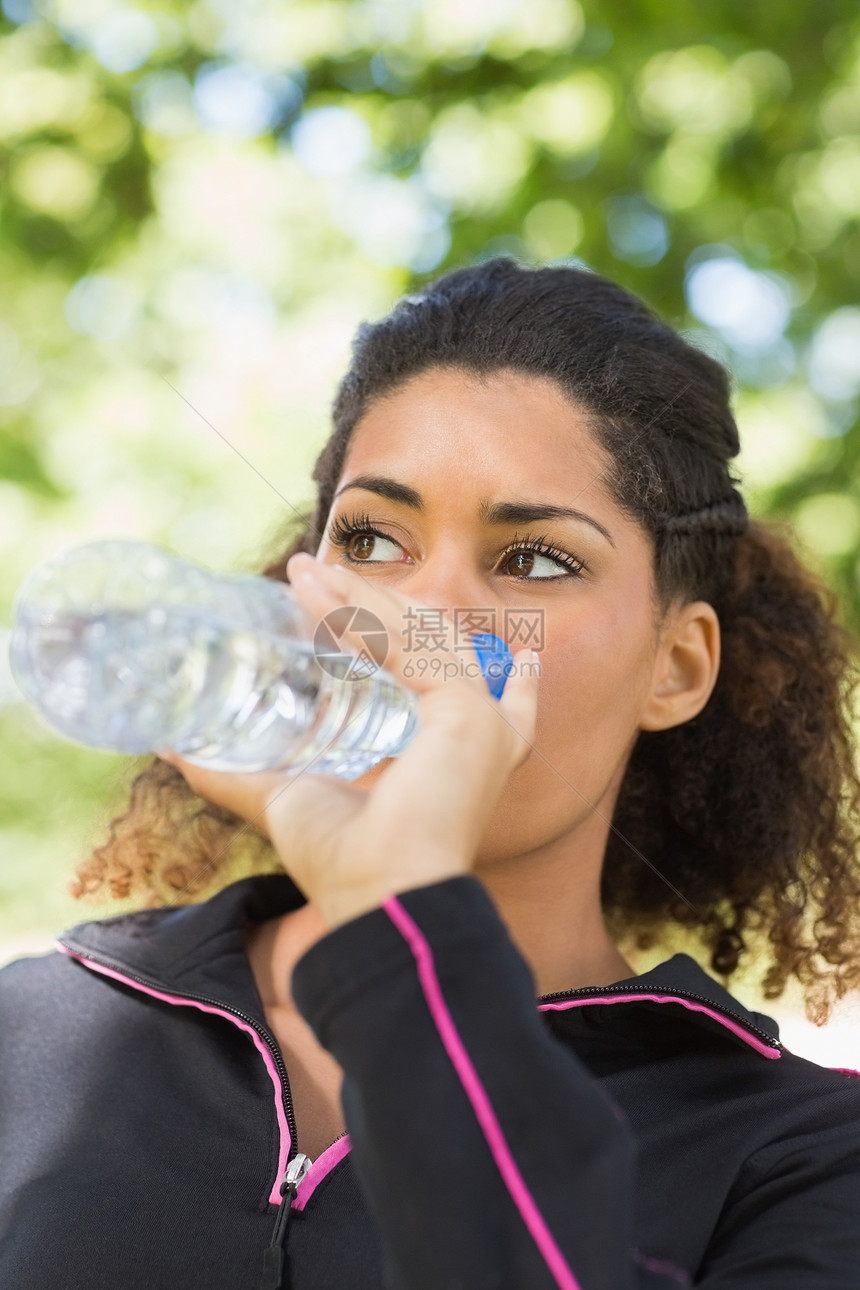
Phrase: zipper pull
[273,1259]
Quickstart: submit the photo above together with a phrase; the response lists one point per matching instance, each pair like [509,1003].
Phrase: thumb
[519,702]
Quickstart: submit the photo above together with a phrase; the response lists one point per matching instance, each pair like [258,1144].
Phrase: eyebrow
[515,512]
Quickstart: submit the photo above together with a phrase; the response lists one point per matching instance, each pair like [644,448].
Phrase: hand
[349,847]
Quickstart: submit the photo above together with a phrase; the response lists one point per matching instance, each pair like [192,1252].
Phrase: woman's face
[459,444]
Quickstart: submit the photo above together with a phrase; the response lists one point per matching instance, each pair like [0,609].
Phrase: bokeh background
[201,201]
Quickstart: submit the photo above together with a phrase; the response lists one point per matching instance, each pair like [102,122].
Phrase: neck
[550,907]
[556,923]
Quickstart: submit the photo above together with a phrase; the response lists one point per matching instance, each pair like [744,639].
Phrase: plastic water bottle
[124,645]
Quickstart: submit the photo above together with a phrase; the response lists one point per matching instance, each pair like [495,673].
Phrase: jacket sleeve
[488,1154]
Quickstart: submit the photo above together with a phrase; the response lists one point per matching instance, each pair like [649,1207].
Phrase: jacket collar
[680,984]
[194,949]
[199,950]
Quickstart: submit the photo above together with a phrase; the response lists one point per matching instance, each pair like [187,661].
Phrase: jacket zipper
[273,1259]
[223,1007]
[685,994]
[298,1163]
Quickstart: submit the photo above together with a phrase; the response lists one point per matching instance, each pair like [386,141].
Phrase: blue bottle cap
[495,659]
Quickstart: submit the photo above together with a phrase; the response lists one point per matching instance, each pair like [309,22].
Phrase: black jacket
[653,1133]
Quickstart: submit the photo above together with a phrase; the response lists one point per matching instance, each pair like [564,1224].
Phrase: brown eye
[522,562]
[358,540]
[360,546]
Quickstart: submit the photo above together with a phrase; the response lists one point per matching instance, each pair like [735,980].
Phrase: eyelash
[343,530]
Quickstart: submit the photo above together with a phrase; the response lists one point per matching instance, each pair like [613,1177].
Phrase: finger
[318,594]
[518,704]
[303,817]
[298,814]
[419,668]
[242,793]
[496,734]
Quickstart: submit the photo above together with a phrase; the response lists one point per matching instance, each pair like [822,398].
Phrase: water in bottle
[124,645]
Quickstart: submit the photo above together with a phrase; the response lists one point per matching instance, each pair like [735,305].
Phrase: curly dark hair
[751,807]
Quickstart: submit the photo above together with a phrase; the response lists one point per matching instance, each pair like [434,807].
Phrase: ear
[685,667]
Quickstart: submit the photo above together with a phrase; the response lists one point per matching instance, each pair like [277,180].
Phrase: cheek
[590,693]
[593,674]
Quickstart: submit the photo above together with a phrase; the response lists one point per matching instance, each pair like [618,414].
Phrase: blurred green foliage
[201,201]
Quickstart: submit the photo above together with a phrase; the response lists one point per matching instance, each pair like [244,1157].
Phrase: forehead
[488,431]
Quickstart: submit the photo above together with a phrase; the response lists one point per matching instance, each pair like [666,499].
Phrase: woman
[337,1074]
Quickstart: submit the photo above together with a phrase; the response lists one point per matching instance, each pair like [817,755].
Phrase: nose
[446,581]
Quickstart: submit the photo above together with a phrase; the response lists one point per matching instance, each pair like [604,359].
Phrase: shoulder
[41,1007]
[43,989]
[810,1112]
[31,977]
[24,977]
[792,1208]
[802,1077]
